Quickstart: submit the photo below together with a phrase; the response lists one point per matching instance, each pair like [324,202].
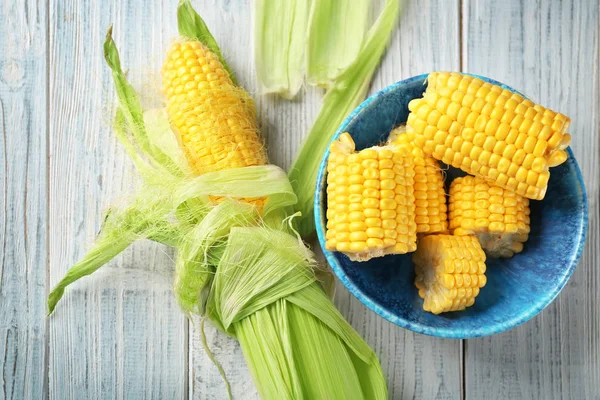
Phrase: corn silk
[241,268]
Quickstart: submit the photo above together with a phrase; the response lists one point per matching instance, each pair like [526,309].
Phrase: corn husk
[337,29]
[296,344]
[279,45]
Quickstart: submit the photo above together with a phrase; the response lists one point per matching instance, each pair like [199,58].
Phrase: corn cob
[430,197]
[370,201]
[450,270]
[489,131]
[498,217]
[215,119]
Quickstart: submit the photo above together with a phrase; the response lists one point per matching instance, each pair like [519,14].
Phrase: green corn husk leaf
[144,220]
[130,115]
[268,181]
[347,93]
[296,344]
[280,42]
[336,32]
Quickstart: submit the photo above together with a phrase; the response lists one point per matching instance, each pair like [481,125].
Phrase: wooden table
[120,334]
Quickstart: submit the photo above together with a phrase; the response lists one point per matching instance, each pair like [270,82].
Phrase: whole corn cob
[430,197]
[498,217]
[450,270]
[489,131]
[215,119]
[370,201]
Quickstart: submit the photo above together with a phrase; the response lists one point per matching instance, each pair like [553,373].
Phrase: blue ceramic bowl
[517,288]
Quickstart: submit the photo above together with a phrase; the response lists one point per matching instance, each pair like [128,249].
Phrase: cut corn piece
[370,201]
[489,131]
[450,270]
[430,197]
[498,217]
[215,119]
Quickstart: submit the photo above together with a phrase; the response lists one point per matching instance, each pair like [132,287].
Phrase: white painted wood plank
[119,333]
[416,366]
[548,49]
[23,187]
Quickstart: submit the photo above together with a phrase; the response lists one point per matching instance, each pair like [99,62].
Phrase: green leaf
[102,252]
[267,181]
[195,262]
[146,219]
[161,136]
[296,344]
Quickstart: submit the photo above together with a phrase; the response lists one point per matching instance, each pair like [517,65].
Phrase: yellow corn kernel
[450,270]
[501,215]
[370,196]
[497,128]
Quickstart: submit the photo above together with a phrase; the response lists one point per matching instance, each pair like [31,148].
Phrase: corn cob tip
[215,119]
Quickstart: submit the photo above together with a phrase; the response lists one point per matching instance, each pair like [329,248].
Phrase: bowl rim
[444,332]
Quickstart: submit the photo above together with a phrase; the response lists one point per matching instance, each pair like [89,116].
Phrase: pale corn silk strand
[239,267]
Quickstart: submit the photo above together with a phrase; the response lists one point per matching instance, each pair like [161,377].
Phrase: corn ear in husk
[242,268]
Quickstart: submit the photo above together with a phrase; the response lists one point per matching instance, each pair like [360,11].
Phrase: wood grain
[549,49]
[23,187]
[119,333]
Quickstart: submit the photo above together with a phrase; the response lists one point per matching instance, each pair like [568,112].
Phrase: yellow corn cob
[490,132]
[430,197]
[370,201]
[450,270]
[498,217]
[215,119]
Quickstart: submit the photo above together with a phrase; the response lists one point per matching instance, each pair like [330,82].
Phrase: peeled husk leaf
[337,29]
[279,47]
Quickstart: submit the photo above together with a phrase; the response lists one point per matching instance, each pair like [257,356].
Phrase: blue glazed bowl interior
[517,288]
